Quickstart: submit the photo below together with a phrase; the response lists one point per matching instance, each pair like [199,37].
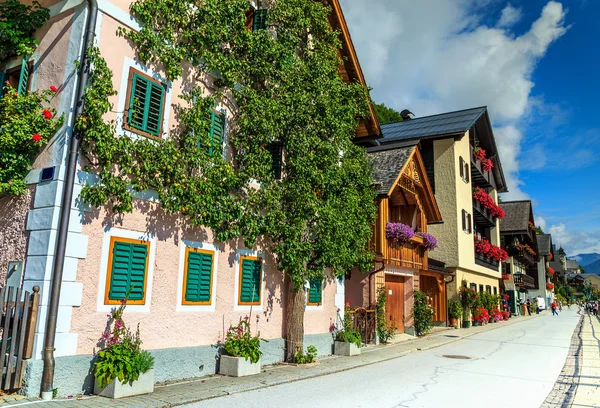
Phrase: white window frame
[102,281]
[180,307]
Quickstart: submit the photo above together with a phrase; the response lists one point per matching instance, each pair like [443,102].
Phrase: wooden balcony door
[394,306]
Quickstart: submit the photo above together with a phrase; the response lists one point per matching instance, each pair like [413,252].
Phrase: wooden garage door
[395,301]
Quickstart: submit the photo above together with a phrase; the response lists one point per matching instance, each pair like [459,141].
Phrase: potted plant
[468,299]
[347,340]
[398,232]
[242,351]
[455,310]
[121,368]
[480,316]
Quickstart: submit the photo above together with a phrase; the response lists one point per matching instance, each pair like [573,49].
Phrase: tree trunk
[294,321]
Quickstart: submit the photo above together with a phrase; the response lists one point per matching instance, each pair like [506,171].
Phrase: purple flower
[398,232]
[331,328]
[105,335]
[429,241]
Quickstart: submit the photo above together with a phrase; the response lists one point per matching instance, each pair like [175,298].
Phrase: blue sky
[534,63]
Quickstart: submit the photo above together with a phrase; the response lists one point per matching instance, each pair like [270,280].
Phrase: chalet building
[180,328]
[460,157]
[404,196]
[558,265]
[545,273]
[518,237]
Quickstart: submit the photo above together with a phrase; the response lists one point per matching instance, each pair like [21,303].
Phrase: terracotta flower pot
[453,322]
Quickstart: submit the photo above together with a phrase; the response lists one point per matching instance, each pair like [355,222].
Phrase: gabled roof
[518,215]
[387,165]
[544,244]
[572,264]
[557,266]
[432,126]
[351,69]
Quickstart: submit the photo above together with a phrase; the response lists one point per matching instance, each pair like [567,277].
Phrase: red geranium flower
[47,114]
[53,88]
[36,137]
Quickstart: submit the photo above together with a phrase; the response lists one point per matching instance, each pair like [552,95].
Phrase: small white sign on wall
[390,292]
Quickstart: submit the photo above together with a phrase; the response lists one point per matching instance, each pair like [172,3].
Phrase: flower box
[116,389]
[341,348]
[238,366]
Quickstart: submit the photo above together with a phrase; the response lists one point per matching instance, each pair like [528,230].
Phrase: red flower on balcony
[531,225]
[489,250]
[488,202]
[479,154]
[550,256]
[525,248]
[505,277]
[550,286]
[550,271]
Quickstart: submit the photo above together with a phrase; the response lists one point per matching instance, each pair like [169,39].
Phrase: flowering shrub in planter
[550,270]
[489,250]
[550,286]
[239,342]
[398,232]
[505,277]
[488,202]
[526,248]
[121,359]
[429,241]
[480,155]
[481,315]
[26,127]
[505,315]
[496,315]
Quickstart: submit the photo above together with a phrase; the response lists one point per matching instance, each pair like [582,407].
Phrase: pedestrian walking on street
[528,304]
[560,306]
[554,311]
[596,308]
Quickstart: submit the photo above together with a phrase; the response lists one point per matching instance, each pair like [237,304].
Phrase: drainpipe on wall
[446,290]
[65,210]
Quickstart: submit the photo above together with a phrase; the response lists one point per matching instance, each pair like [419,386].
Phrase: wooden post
[32,323]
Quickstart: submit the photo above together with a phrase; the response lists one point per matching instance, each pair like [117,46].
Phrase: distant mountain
[594,267]
[586,259]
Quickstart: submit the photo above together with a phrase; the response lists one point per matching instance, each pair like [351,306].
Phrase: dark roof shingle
[435,125]
[387,165]
[516,216]
[543,241]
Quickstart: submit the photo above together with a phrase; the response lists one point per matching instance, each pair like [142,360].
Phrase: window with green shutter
[315,292]
[250,283]
[145,105]
[18,77]
[127,268]
[215,133]
[260,19]
[198,277]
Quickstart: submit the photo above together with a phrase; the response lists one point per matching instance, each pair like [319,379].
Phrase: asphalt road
[513,366]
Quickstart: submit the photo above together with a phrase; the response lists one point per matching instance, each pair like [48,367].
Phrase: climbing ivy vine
[18,22]
[280,85]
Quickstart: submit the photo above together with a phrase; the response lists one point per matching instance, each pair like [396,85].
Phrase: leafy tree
[386,115]
[18,22]
[539,230]
[282,87]
[582,269]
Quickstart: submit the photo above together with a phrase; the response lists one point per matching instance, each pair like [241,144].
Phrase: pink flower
[105,335]
[119,324]
[36,137]
[53,89]
[123,301]
[47,114]
[246,318]
[331,328]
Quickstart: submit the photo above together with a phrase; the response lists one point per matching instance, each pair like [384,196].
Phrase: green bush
[455,309]
[240,342]
[422,313]
[309,357]
[386,330]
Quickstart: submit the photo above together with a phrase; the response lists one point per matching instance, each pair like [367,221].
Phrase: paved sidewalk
[579,382]
[214,386]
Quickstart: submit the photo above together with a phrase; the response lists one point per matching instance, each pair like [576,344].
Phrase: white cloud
[540,222]
[434,56]
[575,241]
[510,15]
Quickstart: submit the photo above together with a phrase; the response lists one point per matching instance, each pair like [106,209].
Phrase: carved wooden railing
[410,255]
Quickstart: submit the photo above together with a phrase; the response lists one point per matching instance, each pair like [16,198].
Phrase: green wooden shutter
[199,277]
[146,105]
[315,293]
[260,20]
[251,281]
[24,77]
[215,135]
[128,268]
[276,151]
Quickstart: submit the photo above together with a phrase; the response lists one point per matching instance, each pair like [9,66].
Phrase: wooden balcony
[482,215]
[410,255]
[479,177]
[489,263]
[524,257]
[524,281]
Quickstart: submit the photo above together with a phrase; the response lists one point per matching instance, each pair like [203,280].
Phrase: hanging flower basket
[550,286]
[550,270]
[488,202]
[429,241]
[506,277]
[398,232]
